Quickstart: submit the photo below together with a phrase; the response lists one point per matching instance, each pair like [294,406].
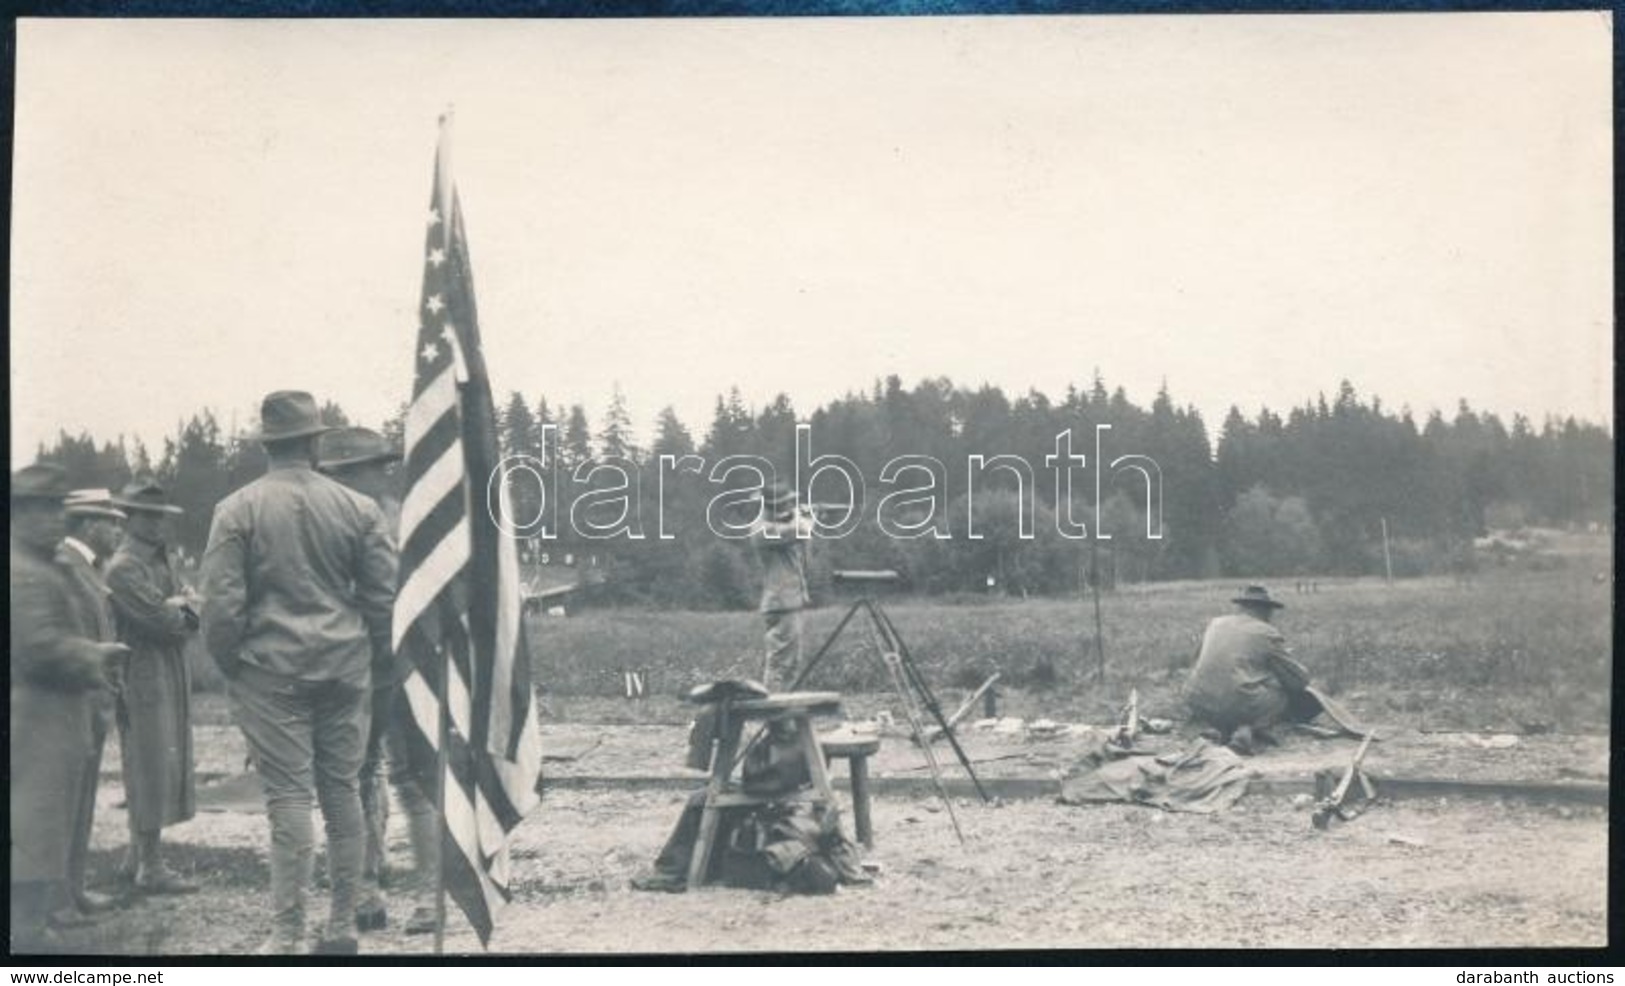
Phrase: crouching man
[1245,681]
[785,845]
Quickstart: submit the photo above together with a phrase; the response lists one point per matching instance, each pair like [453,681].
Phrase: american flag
[457,612]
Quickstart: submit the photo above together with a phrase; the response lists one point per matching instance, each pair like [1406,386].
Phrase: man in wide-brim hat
[156,615]
[1245,679]
[299,583]
[57,665]
[363,460]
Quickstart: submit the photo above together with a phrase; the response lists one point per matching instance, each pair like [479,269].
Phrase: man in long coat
[156,614]
[55,669]
[94,525]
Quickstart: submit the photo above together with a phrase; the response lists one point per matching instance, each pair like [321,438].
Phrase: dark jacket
[56,667]
[94,613]
[92,598]
[50,648]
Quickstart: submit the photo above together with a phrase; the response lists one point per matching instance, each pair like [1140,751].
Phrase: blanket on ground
[1205,779]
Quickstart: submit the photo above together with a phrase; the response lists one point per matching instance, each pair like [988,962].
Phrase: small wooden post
[1387,559]
[1100,637]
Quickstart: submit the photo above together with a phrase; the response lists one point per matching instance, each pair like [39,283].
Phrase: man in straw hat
[299,581]
[361,459]
[94,525]
[156,616]
[780,534]
[57,667]
[1245,680]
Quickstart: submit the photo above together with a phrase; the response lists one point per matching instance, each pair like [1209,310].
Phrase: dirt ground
[1421,872]
[614,738]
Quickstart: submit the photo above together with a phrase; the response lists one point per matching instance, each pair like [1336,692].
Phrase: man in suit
[94,526]
[56,668]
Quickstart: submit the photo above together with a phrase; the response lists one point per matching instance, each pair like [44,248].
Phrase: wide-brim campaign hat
[726,690]
[144,495]
[41,481]
[92,503]
[778,496]
[343,447]
[286,414]
[1257,595]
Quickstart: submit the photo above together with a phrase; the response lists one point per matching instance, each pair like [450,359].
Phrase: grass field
[1516,647]
[1512,650]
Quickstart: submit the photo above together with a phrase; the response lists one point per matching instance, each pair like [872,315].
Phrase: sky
[1247,208]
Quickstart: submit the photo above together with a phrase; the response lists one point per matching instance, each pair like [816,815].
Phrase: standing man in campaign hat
[362,459]
[56,668]
[156,615]
[94,526]
[780,534]
[299,583]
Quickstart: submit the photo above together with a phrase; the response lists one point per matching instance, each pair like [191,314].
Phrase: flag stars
[430,353]
[434,217]
[435,304]
[437,257]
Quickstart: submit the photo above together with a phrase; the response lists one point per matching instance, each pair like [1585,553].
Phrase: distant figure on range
[1245,680]
[299,580]
[59,671]
[779,535]
[156,615]
[362,460]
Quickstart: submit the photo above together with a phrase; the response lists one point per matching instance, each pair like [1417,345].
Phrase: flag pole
[442,757]
[442,772]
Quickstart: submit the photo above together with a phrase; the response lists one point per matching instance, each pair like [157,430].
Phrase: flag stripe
[420,588]
[428,446]
[442,519]
[439,398]
[440,480]
[509,637]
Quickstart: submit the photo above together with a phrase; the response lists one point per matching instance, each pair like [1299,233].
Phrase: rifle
[1129,725]
[1334,804]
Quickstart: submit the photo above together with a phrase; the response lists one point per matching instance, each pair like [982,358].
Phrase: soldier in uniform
[94,525]
[780,535]
[299,584]
[156,614]
[56,668]
[360,459]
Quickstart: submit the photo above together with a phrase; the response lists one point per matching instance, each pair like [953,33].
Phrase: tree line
[1304,492]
